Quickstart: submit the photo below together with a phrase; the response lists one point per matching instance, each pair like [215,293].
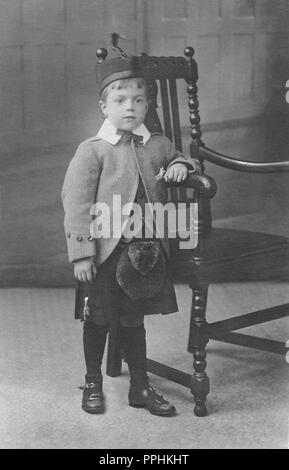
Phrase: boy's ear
[102,107]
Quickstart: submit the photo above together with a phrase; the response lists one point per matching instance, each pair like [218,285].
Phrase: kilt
[107,301]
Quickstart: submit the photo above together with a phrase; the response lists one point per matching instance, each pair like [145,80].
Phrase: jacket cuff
[80,246]
[190,162]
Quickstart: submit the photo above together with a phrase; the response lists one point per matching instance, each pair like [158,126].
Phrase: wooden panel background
[49,100]
[241,48]
[47,57]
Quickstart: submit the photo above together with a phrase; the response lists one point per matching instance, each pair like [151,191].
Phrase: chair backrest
[161,74]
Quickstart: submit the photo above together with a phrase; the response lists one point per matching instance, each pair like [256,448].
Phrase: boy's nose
[129,105]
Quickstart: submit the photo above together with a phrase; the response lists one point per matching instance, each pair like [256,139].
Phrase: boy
[123,159]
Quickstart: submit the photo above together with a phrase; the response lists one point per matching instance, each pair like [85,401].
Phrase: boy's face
[125,108]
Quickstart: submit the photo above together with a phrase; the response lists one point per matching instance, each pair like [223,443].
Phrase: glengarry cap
[123,66]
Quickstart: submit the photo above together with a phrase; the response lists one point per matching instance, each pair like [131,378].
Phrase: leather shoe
[148,398]
[93,399]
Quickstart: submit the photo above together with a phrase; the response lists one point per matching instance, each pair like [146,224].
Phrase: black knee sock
[133,341]
[94,339]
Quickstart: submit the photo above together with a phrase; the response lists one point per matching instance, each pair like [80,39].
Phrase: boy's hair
[123,83]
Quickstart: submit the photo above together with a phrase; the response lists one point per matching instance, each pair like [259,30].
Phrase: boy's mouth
[129,118]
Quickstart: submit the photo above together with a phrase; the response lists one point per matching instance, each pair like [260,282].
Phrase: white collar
[108,132]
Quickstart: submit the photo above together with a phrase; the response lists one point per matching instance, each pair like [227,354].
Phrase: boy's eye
[139,100]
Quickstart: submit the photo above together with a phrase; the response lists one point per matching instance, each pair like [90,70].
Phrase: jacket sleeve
[174,156]
[78,195]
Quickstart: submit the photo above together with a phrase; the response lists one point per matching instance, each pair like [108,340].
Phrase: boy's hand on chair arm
[85,270]
[177,173]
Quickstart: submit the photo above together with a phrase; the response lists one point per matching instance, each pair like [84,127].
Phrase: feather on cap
[124,66]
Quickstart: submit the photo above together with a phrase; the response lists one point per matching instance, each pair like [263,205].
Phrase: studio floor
[41,366]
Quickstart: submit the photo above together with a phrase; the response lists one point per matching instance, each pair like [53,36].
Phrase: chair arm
[240,165]
[203,184]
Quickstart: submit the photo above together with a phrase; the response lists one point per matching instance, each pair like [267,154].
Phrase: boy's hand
[176,173]
[85,270]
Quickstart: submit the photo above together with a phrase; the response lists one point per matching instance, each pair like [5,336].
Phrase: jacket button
[68,234]
[79,238]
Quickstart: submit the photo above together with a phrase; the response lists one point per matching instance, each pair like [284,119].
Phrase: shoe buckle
[93,396]
[90,385]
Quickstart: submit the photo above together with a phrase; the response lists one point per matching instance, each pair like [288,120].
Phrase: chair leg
[114,354]
[198,340]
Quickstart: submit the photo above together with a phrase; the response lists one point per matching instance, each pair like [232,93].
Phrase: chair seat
[237,256]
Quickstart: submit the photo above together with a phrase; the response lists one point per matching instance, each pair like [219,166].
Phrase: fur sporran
[141,269]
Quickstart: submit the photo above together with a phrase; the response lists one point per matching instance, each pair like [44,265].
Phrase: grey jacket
[100,170]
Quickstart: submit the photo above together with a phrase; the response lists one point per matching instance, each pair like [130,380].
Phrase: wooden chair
[220,255]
